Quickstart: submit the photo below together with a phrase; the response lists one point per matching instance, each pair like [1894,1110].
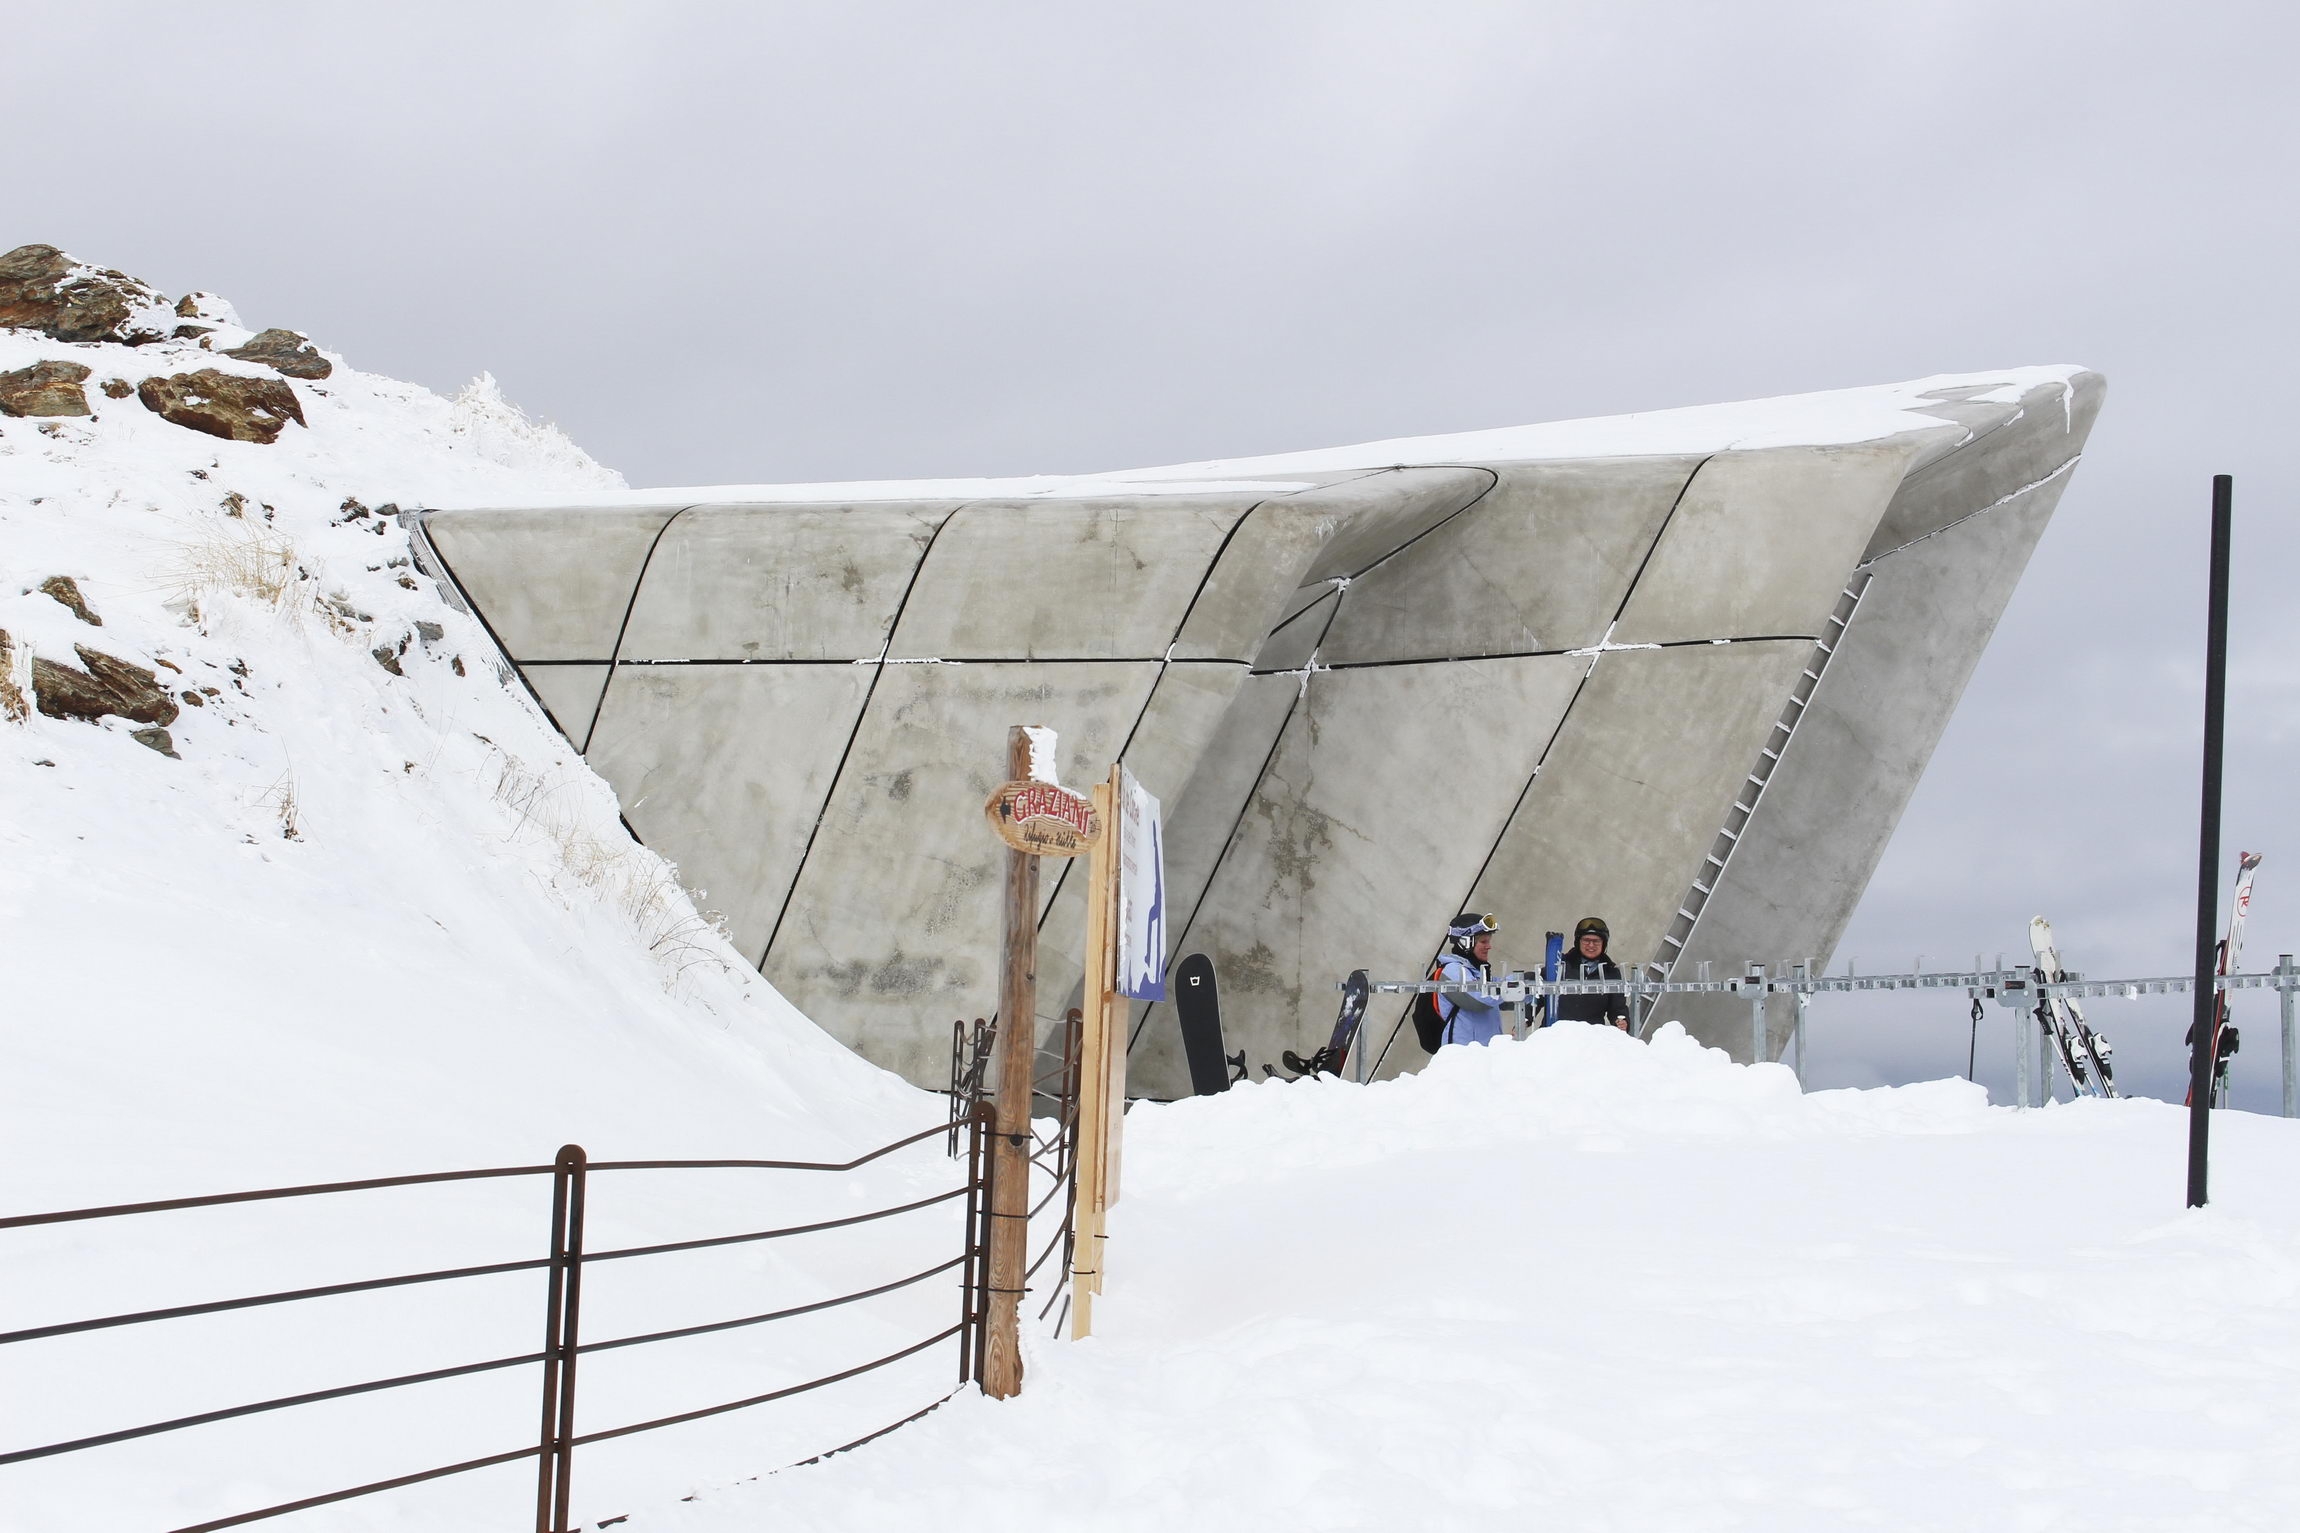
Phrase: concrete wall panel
[1631,795]
[1540,562]
[554,585]
[893,929]
[779,582]
[2040,435]
[1381,512]
[1346,857]
[1097,580]
[1886,696]
[1186,706]
[722,769]
[1257,571]
[570,695]
[1761,542]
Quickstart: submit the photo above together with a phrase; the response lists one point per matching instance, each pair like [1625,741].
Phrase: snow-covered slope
[1582,1283]
[371,916]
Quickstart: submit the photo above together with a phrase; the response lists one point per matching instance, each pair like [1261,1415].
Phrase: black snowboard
[1335,1056]
[1200,1011]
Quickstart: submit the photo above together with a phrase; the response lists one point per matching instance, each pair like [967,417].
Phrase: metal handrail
[312,1397]
[774,1394]
[22,1221]
[562,1347]
[780,1314]
[775,1234]
[2017,981]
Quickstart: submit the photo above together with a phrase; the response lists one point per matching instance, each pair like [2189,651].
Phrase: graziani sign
[1042,819]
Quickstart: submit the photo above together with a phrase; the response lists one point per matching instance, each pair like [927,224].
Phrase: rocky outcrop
[109,685]
[13,707]
[43,289]
[286,352]
[44,388]
[209,310]
[223,404]
[65,589]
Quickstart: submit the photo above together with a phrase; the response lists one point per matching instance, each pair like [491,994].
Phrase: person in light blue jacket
[1468,1018]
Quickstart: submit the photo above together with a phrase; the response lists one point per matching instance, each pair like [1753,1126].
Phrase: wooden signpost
[1101,1068]
[1037,817]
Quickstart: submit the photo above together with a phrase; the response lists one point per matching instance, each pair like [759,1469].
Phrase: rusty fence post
[972,1275]
[562,1309]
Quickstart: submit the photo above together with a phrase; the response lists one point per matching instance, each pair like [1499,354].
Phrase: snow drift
[1582,1283]
[342,904]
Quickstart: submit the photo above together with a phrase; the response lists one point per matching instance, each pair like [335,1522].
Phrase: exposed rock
[109,685]
[284,351]
[12,704]
[193,332]
[208,307]
[223,404]
[44,388]
[67,590]
[388,658]
[118,388]
[43,289]
[158,739]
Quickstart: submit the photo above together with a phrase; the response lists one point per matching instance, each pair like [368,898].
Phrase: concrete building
[1680,669]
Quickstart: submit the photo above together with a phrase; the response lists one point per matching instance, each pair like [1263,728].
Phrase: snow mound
[1583,1283]
[1595,1088]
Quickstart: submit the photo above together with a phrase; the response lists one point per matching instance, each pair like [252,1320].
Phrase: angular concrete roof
[1680,669]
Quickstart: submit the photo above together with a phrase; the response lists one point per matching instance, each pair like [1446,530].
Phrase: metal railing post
[970,1270]
[985,1120]
[2024,1024]
[1804,973]
[2284,981]
[562,1308]
[1756,982]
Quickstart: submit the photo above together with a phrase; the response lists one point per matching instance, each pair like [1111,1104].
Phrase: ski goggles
[1476,928]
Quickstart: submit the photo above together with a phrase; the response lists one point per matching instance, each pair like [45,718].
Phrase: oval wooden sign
[1042,819]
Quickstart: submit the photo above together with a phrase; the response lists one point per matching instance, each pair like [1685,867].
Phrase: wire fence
[556,1437]
[1053,1156]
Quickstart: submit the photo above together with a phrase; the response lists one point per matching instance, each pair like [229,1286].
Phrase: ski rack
[2016,988]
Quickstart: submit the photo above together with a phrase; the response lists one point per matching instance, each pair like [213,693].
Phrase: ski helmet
[1588,924]
[1463,931]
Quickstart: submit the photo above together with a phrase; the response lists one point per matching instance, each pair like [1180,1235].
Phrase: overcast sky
[765,242]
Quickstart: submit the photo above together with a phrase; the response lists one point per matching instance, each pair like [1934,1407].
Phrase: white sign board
[1141,893]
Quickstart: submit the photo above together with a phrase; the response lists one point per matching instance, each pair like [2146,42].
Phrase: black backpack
[1429,1027]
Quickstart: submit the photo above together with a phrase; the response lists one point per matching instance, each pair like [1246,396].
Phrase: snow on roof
[1829,418]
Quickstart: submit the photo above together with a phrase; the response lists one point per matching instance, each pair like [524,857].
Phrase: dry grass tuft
[244,559]
[548,807]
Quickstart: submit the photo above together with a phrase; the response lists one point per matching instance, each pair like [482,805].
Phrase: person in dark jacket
[1587,961]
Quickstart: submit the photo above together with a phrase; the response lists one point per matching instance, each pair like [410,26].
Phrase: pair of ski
[2084,1053]
[2224,1037]
[1198,1007]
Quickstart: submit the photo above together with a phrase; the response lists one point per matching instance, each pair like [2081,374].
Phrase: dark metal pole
[561,1307]
[554,1300]
[2200,1060]
[578,1166]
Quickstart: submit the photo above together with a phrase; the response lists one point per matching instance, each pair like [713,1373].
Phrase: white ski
[2231,948]
[2083,1052]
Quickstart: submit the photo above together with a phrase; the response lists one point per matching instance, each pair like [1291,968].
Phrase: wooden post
[1101,1037]
[1010,1138]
